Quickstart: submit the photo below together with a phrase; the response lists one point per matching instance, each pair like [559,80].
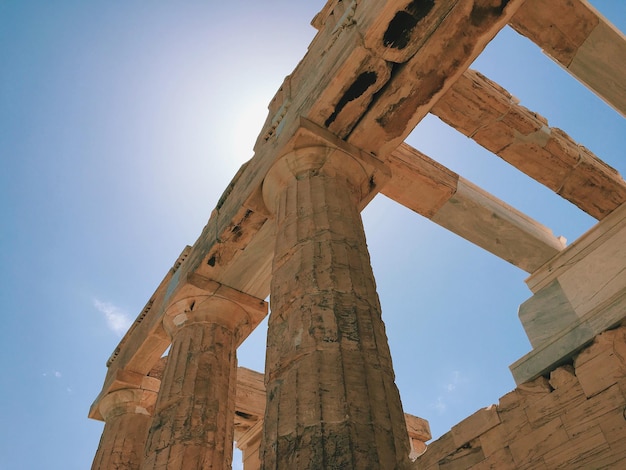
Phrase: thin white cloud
[454,382]
[117,320]
[55,374]
[451,388]
[439,406]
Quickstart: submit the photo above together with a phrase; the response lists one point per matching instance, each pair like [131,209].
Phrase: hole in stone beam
[400,29]
[479,14]
[360,86]
[243,415]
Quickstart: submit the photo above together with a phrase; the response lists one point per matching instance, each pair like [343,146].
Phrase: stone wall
[573,419]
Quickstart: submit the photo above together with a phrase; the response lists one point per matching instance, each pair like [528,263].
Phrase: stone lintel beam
[578,294]
[488,114]
[582,41]
[429,58]
[249,400]
[430,189]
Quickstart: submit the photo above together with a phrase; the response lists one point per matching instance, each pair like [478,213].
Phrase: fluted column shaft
[193,423]
[331,397]
[127,419]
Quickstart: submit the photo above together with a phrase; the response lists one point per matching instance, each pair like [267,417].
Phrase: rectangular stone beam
[582,41]
[488,114]
[444,52]
[368,77]
[428,188]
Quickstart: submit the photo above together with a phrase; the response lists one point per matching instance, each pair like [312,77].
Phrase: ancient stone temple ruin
[288,227]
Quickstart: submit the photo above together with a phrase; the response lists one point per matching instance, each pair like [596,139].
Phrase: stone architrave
[126,413]
[193,421]
[331,397]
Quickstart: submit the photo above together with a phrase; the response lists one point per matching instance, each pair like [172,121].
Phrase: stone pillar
[193,423]
[331,397]
[127,419]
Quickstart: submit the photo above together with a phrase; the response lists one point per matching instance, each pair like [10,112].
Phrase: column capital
[314,148]
[207,301]
[127,400]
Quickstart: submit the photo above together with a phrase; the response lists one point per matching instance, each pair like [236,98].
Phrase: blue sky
[121,123]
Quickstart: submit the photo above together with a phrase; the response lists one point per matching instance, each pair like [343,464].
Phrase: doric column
[331,397]
[127,419]
[193,423]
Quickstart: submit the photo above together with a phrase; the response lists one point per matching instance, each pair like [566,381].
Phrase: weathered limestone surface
[438,193]
[418,430]
[578,38]
[573,420]
[491,116]
[193,425]
[577,295]
[250,410]
[127,414]
[331,397]
[453,34]
[249,402]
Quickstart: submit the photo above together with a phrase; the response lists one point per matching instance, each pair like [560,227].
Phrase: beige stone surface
[488,114]
[559,27]
[330,381]
[579,293]
[577,37]
[598,368]
[551,424]
[461,35]
[436,192]
[475,425]
[193,424]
